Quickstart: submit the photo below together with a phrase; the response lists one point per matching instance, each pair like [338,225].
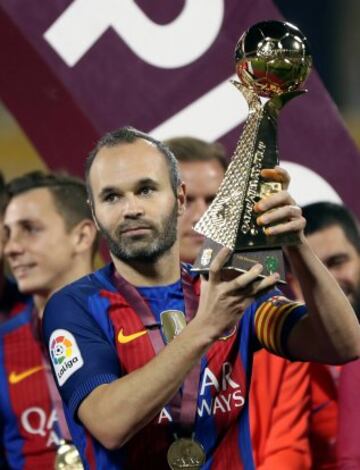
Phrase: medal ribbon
[183,405]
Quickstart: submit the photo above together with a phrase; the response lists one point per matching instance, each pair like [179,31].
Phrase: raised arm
[330,333]
[140,395]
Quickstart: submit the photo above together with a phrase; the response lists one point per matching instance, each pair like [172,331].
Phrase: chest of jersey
[29,418]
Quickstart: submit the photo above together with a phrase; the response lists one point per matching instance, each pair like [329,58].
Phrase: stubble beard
[144,249]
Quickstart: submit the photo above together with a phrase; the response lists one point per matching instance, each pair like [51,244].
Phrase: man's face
[202,180]
[134,204]
[341,259]
[37,245]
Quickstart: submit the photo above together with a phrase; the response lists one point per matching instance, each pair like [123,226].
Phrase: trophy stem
[222,219]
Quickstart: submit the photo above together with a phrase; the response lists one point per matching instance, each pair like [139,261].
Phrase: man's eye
[146,191]
[111,197]
[337,261]
[29,228]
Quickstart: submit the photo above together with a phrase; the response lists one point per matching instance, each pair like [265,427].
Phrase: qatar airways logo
[37,422]
[228,394]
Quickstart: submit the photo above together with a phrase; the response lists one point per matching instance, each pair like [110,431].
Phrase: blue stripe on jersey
[104,276]
[11,438]
[98,307]
[244,440]
[104,459]
[248,343]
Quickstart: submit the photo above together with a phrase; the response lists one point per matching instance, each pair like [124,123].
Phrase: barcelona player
[50,240]
[11,300]
[130,400]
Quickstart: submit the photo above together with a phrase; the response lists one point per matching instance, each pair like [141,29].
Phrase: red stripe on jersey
[134,353]
[90,453]
[29,396]
[17,308]
[225,363]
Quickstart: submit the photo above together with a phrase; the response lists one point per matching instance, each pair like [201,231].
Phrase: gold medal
[172,324]
[67,457]
[186,453]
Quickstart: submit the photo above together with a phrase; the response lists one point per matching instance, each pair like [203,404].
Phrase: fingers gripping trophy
[272,60]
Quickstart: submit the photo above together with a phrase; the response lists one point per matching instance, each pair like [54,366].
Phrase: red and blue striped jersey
[95,336]
[28,420]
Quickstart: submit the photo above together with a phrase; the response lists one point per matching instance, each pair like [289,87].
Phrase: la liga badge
[65,355]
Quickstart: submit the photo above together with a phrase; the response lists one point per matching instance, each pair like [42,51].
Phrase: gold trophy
[272,60]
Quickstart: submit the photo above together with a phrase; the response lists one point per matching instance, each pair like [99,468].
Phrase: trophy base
[241,261]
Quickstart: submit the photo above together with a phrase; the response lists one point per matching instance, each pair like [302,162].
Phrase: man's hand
[278,212]
[222,303]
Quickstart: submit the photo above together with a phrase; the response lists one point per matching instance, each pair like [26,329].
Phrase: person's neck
[40,302]
[79,270]
[163,271]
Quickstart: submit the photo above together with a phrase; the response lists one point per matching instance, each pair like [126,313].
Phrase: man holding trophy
[157,363]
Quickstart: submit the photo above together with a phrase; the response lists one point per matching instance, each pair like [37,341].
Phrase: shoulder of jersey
[87,285]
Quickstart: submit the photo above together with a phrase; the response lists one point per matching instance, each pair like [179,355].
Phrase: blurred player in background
[11,300]
[49,241]
[333,234]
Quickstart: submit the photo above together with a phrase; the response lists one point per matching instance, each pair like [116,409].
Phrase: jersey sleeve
[81,355]
[274,318]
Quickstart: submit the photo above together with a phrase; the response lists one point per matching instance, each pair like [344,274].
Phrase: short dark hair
[129,135]
[69,195]
[321,215]
[191,149]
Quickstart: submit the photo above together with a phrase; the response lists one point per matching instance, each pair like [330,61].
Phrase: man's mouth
[22,270]
[195,236]
[140,230]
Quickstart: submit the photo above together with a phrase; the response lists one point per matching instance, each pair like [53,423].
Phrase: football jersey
[28,419]
[95,336]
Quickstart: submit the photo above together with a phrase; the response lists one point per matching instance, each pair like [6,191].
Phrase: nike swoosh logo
[15,377]
[123,339]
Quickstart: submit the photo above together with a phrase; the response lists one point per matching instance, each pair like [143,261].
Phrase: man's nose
[13,246]
[133,207]
[342,275]
[199,208]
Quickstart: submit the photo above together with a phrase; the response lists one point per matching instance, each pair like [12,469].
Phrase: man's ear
[84,235]
[181,198]
[91,205]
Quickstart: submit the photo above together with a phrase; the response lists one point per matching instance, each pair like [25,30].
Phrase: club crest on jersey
[65,355]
